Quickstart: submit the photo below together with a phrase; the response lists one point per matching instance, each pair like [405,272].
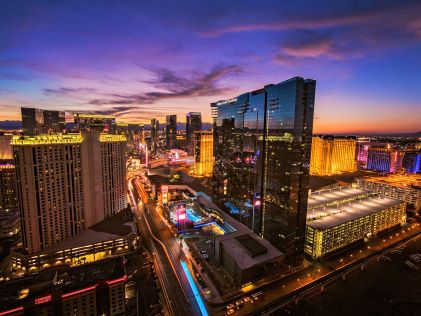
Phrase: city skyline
[138,62]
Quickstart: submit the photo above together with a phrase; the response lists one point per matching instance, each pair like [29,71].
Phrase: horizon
[140,61]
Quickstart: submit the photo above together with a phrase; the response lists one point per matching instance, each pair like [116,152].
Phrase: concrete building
[330,228]
[95,289]
[384,159]
[5,147]
[332,155]
[9,211]
[67,183]
[115,235]
[404,187]
[203,153]
[247,257]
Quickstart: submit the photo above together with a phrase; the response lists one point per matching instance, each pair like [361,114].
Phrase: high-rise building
[8,201]
[171,131]
[154,135]
[38,121]
[384,159]
[412,161]
[193,124]
[5,147]
[66,183]
[332,155]
[98,122]
[203,153]
[278,123]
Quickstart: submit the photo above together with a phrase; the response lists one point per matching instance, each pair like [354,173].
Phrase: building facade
[332,228]
[171,131]
[332,155]
[96,289]
[203,153]
[384,159]
[67,183]
[411,162]
[270,129]
[193,124]
[9,211]
[5,147]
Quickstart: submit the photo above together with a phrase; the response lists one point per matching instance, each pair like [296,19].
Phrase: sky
[144,59]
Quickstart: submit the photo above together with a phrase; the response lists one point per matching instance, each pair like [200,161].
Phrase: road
[163,245]
[288,289]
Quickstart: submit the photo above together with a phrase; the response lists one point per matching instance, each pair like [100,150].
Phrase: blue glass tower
[263,146]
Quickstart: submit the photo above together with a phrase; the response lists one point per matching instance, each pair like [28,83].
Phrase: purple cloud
[198,84]
[66,91]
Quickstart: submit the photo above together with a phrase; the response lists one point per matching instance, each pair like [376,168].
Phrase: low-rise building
[113,236]
[247,257]
[95,289]
[330,228]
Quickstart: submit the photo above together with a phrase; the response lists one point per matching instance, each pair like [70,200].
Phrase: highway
[163,245]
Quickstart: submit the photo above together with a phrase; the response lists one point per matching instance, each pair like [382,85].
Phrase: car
[229,306]
[239,303]
[230,311]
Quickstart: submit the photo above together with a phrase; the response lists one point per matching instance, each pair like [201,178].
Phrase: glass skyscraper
[263,146]
[193,124]
[171,131]
[38,121]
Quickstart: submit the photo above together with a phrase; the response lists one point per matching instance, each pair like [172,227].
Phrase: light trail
[194,289]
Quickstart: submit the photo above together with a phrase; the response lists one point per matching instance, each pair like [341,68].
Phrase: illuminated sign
[42,300]
[181,214]
[257,199]
[226,101]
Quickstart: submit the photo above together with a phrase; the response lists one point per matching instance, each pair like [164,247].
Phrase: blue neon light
[204,224]
[194,289]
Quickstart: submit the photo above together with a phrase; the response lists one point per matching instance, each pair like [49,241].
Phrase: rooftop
[112,138]
[71,138]
[248,249]
[328,196]
[60,280]
[251,245]
[95,116]
[323,218]
[405,181]
[111,228]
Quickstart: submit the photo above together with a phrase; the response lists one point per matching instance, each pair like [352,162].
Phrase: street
[162,244]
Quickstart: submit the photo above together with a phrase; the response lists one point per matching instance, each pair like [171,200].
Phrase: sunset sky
[144,59]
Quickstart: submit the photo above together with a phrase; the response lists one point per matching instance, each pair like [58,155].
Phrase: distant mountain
[69,125]
[10,125]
